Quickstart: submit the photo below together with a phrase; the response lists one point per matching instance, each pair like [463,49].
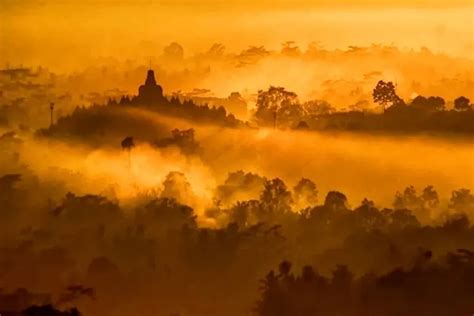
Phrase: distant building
[150,92]
[150,95]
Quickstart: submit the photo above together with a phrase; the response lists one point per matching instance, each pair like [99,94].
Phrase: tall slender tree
[128,144]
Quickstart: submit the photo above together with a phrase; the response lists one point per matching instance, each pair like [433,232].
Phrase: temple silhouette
[150,91]
[150,96]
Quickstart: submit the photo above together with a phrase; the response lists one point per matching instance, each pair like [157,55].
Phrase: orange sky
[270,3]
[72,32]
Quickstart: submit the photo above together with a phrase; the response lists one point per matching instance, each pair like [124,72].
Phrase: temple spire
[150,92]
[150,78]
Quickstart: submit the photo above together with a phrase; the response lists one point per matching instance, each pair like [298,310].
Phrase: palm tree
[51,108]
[128,144]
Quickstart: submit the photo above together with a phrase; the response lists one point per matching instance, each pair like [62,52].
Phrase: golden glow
[75,33]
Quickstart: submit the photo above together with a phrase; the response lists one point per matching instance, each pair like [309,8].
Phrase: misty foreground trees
[48,310]
[442,287]
[305,193]
[420,205]
[156,253]
[23,302]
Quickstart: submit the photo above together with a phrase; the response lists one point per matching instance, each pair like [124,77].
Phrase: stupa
[150,92]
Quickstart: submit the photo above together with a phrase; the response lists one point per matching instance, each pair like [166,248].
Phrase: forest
[236,158]
[155,253]
[132,207]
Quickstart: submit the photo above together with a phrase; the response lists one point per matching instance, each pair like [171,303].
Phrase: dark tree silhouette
[416,290]
[462,104]
[336,201]
[384,94]
[49,310]
[276,103]
[427,105]
[128,144]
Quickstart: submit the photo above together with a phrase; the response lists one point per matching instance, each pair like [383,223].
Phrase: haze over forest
[266,158]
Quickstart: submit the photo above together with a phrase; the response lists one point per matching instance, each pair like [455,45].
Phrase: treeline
[433,287]
[98,124]
[155,253]
[278,107]
[186,109]
[103,125]
[275,107]
[39,310]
